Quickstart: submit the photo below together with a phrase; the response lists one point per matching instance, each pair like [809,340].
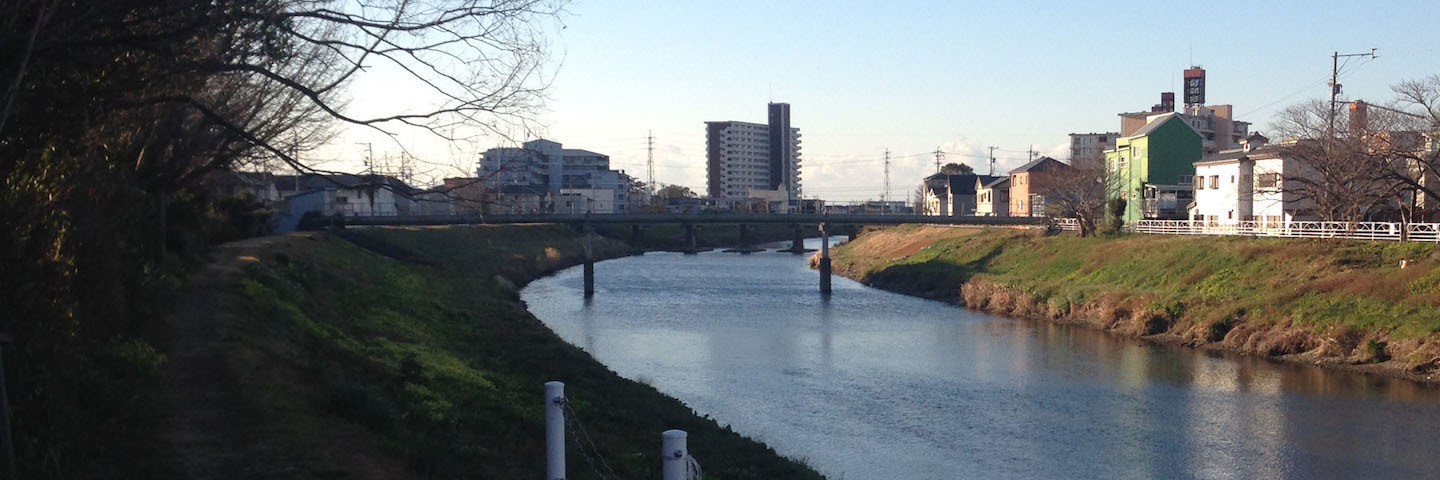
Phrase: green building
[1154,167]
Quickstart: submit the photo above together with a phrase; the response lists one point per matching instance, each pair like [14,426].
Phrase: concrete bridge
[692,222]
[681,218]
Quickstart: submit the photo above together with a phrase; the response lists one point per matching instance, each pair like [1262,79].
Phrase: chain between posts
[588,451]
[692,468]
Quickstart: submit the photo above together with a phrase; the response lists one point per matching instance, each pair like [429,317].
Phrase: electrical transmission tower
[650,159]
[939,159]
[992,161]
[885,197]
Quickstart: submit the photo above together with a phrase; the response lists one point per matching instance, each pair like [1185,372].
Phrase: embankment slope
[412,356]
[1337,303]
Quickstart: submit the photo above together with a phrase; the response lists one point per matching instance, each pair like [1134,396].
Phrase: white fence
[1392,231]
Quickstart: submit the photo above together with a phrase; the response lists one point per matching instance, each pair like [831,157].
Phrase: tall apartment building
[744,156]
[1091,146]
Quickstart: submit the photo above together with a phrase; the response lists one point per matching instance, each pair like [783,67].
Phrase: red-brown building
[1030,182]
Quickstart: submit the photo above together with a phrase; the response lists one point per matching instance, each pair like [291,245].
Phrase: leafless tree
[1406,135]
[1080,192]
[1343,178]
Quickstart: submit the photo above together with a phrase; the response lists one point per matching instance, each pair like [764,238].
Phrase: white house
[344,194]
[1248,184]
[992,199]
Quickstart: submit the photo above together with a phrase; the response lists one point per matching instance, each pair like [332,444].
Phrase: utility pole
[650,159]
[1032,152]
[885,197]
[992,161]
[369,157]
[1335,85]
[939,159]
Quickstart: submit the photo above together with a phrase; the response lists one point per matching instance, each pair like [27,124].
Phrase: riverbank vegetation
[417,350]
[116,117]
[1331,302]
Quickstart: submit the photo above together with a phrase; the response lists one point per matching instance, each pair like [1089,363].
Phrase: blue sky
[911,76]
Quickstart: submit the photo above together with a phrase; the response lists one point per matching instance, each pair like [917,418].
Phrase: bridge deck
[722,218]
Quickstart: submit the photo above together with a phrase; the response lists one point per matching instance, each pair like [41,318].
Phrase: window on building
[1267,180]
[1232,179]
[1214,181]
[1230,215]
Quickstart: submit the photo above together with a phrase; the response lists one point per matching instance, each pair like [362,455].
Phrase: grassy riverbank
[420,361]
[1339,303]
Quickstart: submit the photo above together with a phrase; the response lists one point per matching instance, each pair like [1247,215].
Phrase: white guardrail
[1392,231]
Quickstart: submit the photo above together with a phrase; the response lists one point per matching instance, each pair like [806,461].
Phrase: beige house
[992,199]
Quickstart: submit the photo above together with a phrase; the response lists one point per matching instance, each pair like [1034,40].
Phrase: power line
[1335,83]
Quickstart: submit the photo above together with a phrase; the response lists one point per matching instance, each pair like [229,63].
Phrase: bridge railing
[733,218]
[1389,231]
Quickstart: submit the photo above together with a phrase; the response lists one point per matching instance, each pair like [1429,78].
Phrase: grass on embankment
[438,363]
[1331,301]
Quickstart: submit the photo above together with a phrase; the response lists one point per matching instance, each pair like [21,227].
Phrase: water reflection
[868,384]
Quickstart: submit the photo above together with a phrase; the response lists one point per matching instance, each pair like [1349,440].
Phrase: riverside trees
[112,113]
[1369,159]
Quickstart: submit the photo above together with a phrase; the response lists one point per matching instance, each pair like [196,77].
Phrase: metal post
[554,431]
[589,262]
[673,452]
[824,259]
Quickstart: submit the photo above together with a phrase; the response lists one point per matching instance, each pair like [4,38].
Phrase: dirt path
[215,429]
[207,432]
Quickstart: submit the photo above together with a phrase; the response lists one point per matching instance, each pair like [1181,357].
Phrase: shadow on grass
[937,278]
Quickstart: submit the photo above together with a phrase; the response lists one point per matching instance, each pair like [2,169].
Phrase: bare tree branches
[1080,192]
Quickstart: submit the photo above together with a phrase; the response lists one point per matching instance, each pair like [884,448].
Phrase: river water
[875,385]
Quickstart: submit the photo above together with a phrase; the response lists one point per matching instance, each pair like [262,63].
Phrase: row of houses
[1164,172]
[1196,163]
[290,197]
[1019,193]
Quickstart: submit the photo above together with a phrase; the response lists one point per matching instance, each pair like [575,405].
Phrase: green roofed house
[1153,168]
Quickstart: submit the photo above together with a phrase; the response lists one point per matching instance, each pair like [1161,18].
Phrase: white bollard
[673,453]
[554,431]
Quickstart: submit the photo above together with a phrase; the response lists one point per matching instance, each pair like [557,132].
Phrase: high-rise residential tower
[743,156]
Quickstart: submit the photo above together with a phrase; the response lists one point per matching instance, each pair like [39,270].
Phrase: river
[876,385]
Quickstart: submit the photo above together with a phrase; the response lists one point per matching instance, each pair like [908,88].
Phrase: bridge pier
[637,235]
[589,262]
[745,244]
[824,260]
[691,239]
[797,245]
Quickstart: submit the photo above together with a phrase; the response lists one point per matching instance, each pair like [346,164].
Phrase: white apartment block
[1091,145]
[738,160]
